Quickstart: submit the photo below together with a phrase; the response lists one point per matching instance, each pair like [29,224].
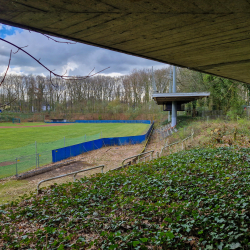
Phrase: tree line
[127,93]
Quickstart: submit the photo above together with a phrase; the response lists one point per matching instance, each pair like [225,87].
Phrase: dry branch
[4,105]
[6,69]
[51,71]
[38,61]
[50,38]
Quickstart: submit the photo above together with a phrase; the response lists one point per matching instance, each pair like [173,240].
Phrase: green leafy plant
[197,199]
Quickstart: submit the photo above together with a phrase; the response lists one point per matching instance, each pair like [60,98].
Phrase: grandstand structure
[173,102]
[166,99]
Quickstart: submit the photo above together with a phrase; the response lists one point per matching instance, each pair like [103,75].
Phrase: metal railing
[165,131]
[72,173]
[158,154]
[146,143]
[148,154]
[138,156]
[183,143]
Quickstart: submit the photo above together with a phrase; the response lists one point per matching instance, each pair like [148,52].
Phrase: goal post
[16,120]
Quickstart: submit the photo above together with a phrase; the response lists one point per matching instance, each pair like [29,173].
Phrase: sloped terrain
[197,199]
[111,157]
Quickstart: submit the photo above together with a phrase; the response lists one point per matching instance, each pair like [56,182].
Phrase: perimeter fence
[74,150]
[19,160]
[99,121]
[8,116]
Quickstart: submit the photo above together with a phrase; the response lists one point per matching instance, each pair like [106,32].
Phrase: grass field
[18,149]
[18,137]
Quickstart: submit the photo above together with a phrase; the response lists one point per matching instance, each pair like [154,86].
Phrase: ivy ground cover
[197,199]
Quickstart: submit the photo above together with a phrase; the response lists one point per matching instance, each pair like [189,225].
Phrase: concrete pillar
[174,114]
[174,104]
[169,116]
[170,90]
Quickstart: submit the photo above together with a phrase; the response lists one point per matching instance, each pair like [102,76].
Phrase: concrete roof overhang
[208,36]
[163,98]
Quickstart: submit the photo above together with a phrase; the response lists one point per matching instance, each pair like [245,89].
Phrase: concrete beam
[208,36]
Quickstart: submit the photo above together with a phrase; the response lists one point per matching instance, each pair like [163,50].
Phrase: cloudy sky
[77,59]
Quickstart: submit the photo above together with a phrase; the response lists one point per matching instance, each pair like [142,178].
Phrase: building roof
[208,36]
[161,98]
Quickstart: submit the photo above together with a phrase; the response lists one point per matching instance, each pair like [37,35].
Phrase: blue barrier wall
[67,152]
[113,121]
[103,121]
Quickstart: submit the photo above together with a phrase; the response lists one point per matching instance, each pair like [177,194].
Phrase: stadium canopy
[163,98]
[208,36]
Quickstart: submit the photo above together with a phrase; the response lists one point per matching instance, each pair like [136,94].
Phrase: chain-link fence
[35,155]
[8,116]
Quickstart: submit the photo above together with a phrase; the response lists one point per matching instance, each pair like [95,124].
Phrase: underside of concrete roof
[209,36]
[162,98]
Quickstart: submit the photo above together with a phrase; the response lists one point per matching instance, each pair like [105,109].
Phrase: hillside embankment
[193,199]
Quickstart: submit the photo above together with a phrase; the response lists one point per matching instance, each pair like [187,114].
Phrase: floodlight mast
[174,103]
[170,87]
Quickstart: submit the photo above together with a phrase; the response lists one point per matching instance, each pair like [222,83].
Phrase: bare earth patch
[6,163]
[110,157]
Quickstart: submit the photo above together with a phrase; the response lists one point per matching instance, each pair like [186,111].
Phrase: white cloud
[69,67]
[77,59]
[114,74]
[7,27]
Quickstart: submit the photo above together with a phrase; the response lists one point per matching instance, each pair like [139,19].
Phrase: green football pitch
[18,151]
[19,136]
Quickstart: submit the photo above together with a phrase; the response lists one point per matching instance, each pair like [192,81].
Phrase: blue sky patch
[6,30]
[77,59]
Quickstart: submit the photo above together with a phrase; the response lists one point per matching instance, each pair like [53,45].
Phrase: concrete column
[169,116]
[174,104]
[174,114]
[170,90]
